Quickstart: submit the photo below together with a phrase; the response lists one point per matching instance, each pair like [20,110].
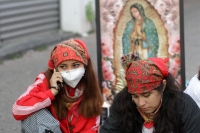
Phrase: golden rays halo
[124,17]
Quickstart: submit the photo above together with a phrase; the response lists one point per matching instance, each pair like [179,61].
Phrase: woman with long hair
[152,102]
[68,89]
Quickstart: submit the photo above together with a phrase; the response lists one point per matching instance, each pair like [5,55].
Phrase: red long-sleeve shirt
[39,96]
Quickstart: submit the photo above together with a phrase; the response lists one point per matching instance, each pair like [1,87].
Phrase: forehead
[152,91]
[68,62]
[141,93]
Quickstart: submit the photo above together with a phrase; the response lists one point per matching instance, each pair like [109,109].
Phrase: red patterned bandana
[145,75]
[72,49]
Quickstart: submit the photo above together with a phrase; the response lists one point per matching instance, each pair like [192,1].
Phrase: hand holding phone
[55,78]
[60,84]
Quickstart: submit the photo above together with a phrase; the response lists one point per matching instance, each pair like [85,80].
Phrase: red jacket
[39,96]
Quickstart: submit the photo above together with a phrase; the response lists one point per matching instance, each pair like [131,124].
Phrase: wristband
[54,87]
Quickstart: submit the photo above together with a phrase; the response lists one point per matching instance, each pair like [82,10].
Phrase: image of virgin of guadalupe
[140,34]
[140,31]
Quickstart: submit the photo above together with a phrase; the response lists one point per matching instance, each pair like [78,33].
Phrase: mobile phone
[58,82]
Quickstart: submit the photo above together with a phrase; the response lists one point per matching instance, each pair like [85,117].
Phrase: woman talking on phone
[68,90]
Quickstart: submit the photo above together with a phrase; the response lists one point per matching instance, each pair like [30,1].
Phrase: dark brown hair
[92,101]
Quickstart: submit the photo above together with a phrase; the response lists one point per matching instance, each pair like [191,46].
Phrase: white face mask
[72,77]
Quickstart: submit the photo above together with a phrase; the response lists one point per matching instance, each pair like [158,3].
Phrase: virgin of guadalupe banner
[147,28]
